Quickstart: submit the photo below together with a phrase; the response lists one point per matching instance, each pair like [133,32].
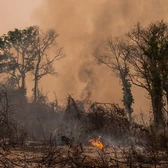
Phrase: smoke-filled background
[83,27]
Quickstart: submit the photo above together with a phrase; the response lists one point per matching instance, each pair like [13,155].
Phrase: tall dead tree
[116,58]
[44,62]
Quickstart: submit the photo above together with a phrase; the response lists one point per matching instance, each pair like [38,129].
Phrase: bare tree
[43,63]
[116,58]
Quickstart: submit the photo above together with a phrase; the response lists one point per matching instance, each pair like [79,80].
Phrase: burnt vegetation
[35,132]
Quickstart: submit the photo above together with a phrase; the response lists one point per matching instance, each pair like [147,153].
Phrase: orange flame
[97,143]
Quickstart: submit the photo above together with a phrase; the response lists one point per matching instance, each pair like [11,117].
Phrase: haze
[83,27]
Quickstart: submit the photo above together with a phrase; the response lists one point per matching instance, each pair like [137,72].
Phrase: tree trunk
[36,77]
[157,107]
[35,89]
[156,94]
[127,97]
[23,75]
[23,88]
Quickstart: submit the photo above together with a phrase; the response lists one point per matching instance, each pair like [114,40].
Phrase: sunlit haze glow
[83,27]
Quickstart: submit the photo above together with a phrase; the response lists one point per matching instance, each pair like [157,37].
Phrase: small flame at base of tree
[97,143]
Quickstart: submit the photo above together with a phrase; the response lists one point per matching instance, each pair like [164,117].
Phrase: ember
[97,143]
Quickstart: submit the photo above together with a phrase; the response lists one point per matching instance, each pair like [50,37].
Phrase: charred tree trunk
[23,75]
[23,82]
[23,87]
[36,82]
[127,94]
[36,75]
[35,90]
[157,110]
[156,98]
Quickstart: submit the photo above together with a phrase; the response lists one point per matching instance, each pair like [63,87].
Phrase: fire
[97,143]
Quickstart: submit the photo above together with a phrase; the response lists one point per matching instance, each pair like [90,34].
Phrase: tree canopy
[26,51]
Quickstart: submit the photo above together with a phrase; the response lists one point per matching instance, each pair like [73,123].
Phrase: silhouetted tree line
[141,58]
[27,51]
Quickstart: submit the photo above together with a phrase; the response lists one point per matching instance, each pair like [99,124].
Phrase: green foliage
[19,49]
[128,99]
[150,63]
[23,37]
[18,46]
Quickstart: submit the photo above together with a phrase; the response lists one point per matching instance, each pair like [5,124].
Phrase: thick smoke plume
[84,27]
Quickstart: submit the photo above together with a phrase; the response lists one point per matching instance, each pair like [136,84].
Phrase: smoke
[84,27]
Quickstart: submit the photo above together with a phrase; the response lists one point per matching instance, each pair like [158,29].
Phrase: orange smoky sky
[83,27]
[17,13]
